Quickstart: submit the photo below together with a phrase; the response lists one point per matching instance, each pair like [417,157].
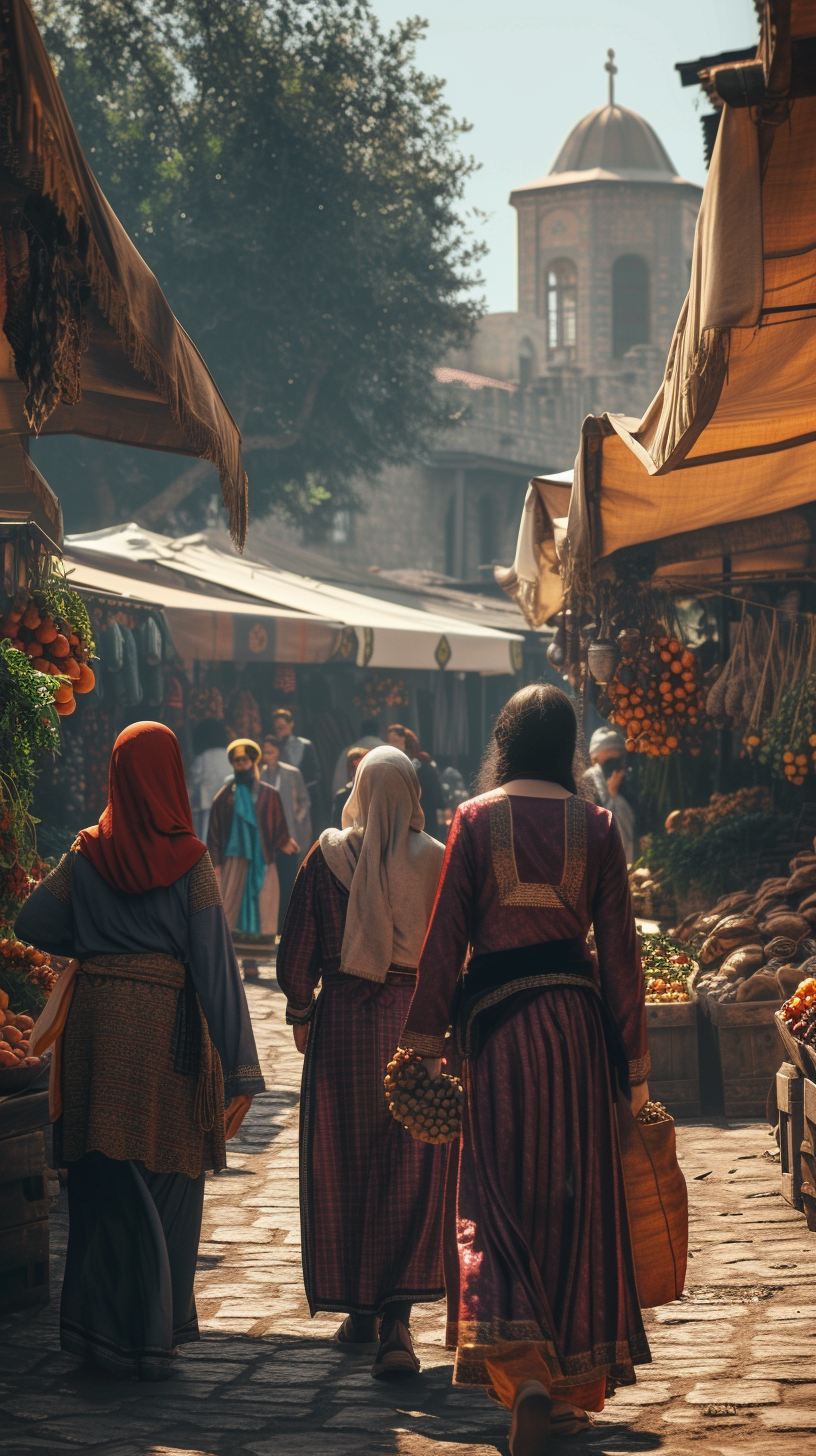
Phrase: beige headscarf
[389,866]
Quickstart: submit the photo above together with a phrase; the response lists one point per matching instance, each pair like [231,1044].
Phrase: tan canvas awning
[141,380]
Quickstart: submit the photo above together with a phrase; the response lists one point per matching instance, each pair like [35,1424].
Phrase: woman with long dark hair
[158,1032]
[547,1309]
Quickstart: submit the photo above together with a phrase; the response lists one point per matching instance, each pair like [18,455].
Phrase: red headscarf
[145,836]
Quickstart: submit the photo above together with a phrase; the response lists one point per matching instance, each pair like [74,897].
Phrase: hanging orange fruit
[86,682]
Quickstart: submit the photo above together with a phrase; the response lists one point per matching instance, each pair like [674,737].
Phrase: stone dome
[614,140]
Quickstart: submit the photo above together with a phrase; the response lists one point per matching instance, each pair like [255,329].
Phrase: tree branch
[285,442]
[167,500]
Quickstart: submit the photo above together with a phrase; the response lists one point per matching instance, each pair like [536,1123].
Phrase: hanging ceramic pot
[629,640]
[557,650]
[602,659]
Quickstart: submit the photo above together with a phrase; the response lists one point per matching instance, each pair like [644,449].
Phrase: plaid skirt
[371,1198]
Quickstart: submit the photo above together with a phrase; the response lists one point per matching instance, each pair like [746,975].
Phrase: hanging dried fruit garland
[656,695]
[786,742]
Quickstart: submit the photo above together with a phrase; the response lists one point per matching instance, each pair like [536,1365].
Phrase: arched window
[630,303]
[528,368]
[562,307]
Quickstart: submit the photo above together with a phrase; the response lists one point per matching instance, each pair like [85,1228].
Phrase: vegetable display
[800,1012]
[760,946]
[50,625]
[667,968]
[26,981]
[720,858]
[720,806]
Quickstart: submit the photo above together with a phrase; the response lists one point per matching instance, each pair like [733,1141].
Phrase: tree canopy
[294,181]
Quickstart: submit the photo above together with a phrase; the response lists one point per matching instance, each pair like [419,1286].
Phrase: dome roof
[619,142]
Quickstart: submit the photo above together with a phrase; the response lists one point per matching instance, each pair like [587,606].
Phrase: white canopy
[388,635]
[203,625]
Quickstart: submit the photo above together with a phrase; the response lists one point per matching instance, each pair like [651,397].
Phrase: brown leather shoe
[395,1358]
[346,1336]
[530,1426]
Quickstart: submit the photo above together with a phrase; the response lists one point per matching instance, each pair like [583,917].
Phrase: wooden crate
[808,1152]
[675,1077]
[24,1202]
[790,1100]
[740,1053]
[24,1266]
[23,1181]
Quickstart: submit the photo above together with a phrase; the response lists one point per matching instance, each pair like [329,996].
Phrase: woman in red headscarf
[158,1033]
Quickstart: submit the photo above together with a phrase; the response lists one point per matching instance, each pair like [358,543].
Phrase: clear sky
[524,71]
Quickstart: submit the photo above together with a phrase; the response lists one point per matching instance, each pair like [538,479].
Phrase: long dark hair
[534,738]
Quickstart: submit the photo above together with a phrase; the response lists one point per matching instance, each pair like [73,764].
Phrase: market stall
[88,345]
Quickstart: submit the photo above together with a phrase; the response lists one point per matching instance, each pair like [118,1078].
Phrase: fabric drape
[145,837]
[388,865]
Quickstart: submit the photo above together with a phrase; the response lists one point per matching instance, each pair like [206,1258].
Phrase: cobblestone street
[733,1369]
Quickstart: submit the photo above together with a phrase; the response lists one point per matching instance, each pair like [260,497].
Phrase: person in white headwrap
[371,1198]
[603,781]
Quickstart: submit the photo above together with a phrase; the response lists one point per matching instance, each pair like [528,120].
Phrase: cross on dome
[612,71]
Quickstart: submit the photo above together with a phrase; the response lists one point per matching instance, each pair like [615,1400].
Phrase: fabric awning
[376,633]
[142,380]
[534,579]
[213,628]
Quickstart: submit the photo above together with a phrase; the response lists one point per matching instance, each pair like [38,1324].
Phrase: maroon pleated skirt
[545,1256]
[372,1199]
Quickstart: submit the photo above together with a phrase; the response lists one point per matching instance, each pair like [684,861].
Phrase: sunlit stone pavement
[734,1367]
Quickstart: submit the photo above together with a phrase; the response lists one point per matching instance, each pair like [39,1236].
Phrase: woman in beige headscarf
[371,1197]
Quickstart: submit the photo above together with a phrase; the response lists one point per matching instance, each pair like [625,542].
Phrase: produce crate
[24,1266]
[790,1100]
[808,1152]
[24,1202]
[801,1055]
[675,1077]
[739,1056]
[23,1180]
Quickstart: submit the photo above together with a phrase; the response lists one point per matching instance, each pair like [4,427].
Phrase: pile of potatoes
[14,1034]
[757,947]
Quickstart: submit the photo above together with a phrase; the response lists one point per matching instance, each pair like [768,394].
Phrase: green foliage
[294,182]
[29,725]
[722,858]
[51,593]
[26,996]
